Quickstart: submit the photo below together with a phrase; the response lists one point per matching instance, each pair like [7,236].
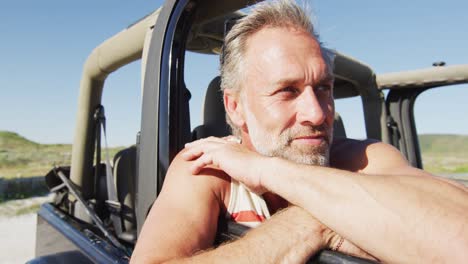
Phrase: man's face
[287,99]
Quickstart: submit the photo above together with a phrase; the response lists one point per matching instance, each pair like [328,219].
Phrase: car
[100,206]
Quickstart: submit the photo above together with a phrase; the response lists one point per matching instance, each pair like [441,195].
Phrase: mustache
[303,131]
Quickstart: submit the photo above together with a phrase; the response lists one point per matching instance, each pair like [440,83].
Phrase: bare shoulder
[369,155]
[208,182]
[185,215]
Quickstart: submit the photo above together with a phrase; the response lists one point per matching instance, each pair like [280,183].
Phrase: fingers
[232,139]
[201,163]
[197,148]
[228,139]
[205,140]
[191,154]
[202,151]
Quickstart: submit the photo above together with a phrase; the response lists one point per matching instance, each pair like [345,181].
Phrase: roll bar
[119,50]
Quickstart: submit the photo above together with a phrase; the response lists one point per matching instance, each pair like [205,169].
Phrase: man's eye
[288,89]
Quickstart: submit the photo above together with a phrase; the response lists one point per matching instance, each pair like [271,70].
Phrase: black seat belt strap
[98,119]
[112,202]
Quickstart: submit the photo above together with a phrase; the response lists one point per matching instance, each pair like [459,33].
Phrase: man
[356,197]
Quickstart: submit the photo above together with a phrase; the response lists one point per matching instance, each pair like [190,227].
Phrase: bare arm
[391,210]
[291,236]
[183,222]
[183,219]
[403,218]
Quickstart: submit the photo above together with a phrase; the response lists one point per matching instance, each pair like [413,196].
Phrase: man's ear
[233,107]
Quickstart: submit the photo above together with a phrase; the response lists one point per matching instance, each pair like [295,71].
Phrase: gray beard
[281,146]
[321,157]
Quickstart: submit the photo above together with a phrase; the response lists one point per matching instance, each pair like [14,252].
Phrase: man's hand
[290,236]
[228,156]
[233,158]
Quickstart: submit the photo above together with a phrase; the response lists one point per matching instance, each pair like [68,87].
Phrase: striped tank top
[246,207]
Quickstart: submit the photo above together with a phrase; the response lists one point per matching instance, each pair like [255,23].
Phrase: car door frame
[163,92]
[403,91]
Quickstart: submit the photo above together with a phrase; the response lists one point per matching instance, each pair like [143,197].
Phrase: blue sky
[45,44]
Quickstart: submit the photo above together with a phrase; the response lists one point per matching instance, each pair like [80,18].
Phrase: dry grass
[23,206]
[20,157]
[445,163]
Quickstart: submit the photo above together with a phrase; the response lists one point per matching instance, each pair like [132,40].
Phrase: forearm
[427,214]
[288,237]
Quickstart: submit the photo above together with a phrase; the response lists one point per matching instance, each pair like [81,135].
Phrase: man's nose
[310,110]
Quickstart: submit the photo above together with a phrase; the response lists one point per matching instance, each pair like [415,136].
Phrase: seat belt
[112,202]
[97,167]
[66,183]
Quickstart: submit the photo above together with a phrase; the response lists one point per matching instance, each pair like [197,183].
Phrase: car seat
[125,177]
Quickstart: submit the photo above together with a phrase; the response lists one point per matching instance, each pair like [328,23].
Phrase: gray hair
[281,13]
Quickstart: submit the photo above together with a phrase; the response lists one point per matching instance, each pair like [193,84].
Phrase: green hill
[432,143]
[444,154]
[20,157]
[13,140]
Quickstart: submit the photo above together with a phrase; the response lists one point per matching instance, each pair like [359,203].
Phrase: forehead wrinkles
[271,54]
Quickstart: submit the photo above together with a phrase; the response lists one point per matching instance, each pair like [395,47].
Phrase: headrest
[338,127]
[214,116]
[213,109]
